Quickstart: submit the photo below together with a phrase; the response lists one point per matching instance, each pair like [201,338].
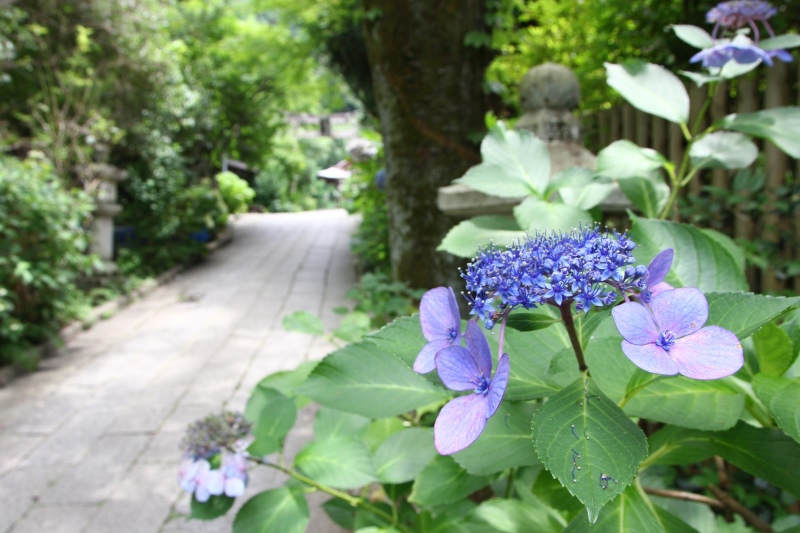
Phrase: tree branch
[737,507]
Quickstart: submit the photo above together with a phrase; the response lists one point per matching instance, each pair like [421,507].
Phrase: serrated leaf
[403,455]
[580,426]
[774,350]
[515,516]
[632,511]
[699,78]
[443,481]
[504,443]
[402,339]
[782,397]
[692,35]
[744,313]
[624,159]
[765,453]
[729,244]
[272,415]
[571,177]
[781,125]
[495,180]
[340,462]
[523,321]
[332,423]
[351,378]
[287,381]
[215,507]
[723,149]
[282,510]
[787,40]
[537,215]
[468,236]
[649,194]
[303,322]
[700,261]
[353,327]
[587,196]
[650,88]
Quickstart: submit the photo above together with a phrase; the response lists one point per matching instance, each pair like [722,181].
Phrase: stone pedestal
[549,94]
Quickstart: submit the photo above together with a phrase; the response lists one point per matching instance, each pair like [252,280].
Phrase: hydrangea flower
[739,13]
[196,476]
[441,325]
[583,267]
[219,439]
[741,50]
[667,337]
[657,270]
[462,419]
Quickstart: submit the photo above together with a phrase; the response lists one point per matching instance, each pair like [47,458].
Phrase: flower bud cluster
[582,266]
[215,461]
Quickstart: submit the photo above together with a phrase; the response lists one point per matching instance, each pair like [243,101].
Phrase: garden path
[89,443]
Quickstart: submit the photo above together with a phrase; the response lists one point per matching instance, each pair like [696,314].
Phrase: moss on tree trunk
[428,87]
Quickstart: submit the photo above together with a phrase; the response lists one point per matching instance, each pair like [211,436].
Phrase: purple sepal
[659,267]
[681,311]
[459,423]
[441,326]
[711,353]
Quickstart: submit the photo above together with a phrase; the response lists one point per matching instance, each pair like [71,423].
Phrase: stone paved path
[89,442]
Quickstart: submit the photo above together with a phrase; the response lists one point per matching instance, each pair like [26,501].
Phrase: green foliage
[236,193]
[382,299]
[42,253]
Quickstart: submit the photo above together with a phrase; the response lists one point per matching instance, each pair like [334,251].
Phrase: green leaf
[587,196]
[729,244]
[624,159]
[303,322]
[537,215]
[362,379]
[380,430]
[787,40]
[332,423]
[353,327]
[649,195]
[782,397]
[523,321]
[273,415]
[699,78]
[215,507]
[765,453]
[402,456]
[744,313]
[287,381]
[607,443]
[723,149]
[650,88]
[774,350]
[494,179]
[781,125]
[692,35]
[341,513]
[443,482]
[341,462]
[700,261]
[632,511]
[402,339]
[468,236]
[571,177]
[523,161]
[282,510]
[505,442]
[515,516]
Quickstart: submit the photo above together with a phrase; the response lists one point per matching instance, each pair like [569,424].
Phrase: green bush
[202,210]
[42,245]
[236,193]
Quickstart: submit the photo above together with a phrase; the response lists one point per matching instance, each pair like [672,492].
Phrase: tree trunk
[428,87]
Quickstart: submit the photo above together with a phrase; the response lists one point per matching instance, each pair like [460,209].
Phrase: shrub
[236,193]
[42,245]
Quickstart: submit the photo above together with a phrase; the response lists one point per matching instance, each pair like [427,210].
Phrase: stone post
[105,178]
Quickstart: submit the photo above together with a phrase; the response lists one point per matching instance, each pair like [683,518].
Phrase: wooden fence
[777,224]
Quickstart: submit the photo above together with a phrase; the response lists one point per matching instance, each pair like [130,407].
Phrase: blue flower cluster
[583,267]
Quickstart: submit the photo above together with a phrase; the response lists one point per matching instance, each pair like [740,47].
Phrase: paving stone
[56,519]
[19,489]
[15,448]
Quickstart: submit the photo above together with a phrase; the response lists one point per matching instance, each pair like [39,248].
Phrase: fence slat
[744,226]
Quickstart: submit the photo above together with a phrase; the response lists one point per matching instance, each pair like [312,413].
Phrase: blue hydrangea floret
[584,267]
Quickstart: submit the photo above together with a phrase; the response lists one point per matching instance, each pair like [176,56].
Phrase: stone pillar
[105,179]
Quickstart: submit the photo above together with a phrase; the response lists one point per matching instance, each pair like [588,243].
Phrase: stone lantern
[549,94]
[103,179]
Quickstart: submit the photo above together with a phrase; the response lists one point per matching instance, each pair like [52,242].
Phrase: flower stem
[502,334]
[566,315]
[352,500]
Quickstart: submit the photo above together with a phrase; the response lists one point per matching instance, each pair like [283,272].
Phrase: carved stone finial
[548,94]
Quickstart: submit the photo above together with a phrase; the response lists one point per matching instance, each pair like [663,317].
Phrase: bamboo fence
[777,222]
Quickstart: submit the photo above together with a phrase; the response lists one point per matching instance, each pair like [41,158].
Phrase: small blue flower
[667,337]
[741,50]
[198,478]
[462,419]
[441,325]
